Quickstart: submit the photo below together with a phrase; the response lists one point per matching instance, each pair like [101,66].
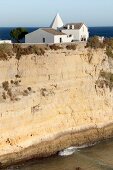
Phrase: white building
[79,31]
[5,41]
[101,39]
[47,35]
[57,22]
[58,33]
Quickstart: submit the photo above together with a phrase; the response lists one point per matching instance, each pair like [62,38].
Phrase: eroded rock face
[64,100]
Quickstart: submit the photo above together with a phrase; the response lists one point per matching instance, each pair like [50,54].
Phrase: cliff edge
[54,101]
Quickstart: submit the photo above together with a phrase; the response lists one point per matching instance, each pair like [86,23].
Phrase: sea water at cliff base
[94,157]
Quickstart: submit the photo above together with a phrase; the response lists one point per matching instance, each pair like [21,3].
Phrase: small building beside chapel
[59,33]
[47,36]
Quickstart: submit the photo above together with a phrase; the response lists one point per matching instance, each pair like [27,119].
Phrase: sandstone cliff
[57,103]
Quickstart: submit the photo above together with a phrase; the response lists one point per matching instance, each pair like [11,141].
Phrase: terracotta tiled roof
[53,31]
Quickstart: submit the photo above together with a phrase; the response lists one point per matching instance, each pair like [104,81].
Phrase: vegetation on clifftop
[27,50]
[109,47]
[95,43]
[107,43]
[9,50]
[6,51]
[71,47]
[105,79]
[109,52]
[55,47]
[18,34]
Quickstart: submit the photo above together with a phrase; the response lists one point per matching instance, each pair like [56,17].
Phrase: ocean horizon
[99,31]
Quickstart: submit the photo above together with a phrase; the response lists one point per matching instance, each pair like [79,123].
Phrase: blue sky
[41,12]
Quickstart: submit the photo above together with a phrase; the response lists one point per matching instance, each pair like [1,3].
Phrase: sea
[100,31]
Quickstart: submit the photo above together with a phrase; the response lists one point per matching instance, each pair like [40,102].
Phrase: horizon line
[42,26]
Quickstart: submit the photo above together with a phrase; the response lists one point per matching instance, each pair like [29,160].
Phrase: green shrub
[29,88]
[55,47]
[38,50]
[71,47]
[18,34]
[109,42]
[5,85]
[11,81]
[16,83]
[3,56]
[5,51]
[17,50]
[25,93]
[17,76]
[43,92]
[4,95]
[106,75]
[109,52]
[9,93]
[90,56]
[105,78]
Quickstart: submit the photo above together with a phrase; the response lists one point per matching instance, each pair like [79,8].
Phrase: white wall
[65,39]
[78,34]
[37,37]
[84,33]
[75,33]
